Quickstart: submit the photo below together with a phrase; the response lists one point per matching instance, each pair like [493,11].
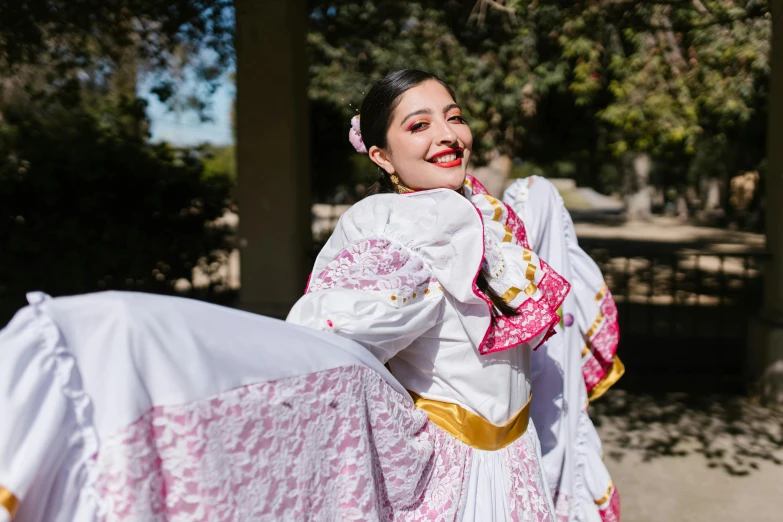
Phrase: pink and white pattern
[515,224]
[611,512]
[537,316]
[534,317]
[379,266]
[473,187]
[598,362]
[339,444]
[562,506]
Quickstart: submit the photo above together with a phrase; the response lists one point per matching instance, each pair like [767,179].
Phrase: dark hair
[379,104]
[376,117]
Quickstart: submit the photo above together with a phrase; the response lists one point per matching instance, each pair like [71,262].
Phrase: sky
[186,128]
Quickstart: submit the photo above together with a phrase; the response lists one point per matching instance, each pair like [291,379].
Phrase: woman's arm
[376,292]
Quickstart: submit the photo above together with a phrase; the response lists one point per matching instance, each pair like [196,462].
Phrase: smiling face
[428,141]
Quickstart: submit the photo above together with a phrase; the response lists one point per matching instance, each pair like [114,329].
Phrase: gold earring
[398,185]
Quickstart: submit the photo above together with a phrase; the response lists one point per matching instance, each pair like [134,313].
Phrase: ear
[380,158]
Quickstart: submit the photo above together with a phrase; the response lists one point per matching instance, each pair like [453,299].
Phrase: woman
[577,365]
[398,276]
[132,407]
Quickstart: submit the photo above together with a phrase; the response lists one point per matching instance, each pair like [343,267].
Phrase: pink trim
[504,333]
[562,506]
[478,188]
[307,286]
[517,227]
[510,332]
[612,511]
[592,371]
[603,345]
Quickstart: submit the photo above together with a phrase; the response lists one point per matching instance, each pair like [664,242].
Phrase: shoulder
[439,228]
[415,220]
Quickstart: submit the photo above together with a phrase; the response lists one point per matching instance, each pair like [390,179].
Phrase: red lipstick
[449,164]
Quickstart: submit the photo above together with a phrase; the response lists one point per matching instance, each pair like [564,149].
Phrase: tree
[591,83]
[87,203]
[71,45]
[86,208]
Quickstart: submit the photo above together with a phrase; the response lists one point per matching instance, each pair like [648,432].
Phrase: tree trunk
[637,190]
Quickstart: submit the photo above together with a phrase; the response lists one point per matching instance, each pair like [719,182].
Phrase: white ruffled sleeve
[47,423]
[376,292]
[521,278]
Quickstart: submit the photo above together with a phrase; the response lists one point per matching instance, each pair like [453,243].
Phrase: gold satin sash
[9,501]
[470,428]
[615,372]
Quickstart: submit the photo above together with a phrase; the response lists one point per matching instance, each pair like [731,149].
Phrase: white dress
[578,364]
[123,406]
[398,276]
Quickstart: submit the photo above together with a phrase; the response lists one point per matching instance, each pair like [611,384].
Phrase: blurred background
[199,148]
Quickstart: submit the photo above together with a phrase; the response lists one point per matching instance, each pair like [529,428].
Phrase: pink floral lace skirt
[339,445]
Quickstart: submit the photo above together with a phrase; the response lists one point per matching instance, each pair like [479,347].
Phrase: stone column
[272,153]
[766,336]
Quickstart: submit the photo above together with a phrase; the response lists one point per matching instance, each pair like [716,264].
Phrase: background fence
[683,312]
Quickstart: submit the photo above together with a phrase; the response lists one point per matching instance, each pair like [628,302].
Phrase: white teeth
[445,158]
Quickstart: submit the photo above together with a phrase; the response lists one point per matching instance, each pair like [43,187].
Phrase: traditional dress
[577,365]
[122,406]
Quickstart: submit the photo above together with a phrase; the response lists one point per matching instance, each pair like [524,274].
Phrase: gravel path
[681,457]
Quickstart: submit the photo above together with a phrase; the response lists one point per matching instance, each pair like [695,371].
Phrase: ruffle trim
[66,374]
[601,367]
[508,260]
[517,194]
[439,226]
[615,372]
[456,246]
[605,502]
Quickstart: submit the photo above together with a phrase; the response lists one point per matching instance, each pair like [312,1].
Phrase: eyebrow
[446,109]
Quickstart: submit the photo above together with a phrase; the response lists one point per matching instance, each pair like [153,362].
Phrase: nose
[445,133]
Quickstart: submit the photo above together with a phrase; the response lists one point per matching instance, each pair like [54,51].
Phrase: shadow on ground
[732,432]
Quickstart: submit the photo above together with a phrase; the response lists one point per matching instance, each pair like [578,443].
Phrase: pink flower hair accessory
[355,136]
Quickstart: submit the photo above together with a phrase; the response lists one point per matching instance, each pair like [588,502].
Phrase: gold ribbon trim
[496,205]
[473,429]
[530,273]
[617,371]
[9,501]
[510,294]
[601,293]
[507,238]
[607,496]
[527,255]
[596,324]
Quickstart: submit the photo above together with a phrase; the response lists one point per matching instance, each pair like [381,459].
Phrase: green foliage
[584,82]
[220,161]
[65,45]
[87,206]
[354,44]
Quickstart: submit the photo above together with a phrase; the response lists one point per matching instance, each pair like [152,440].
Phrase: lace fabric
[339,444]
[598,361]
[507,259]
[379,266]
